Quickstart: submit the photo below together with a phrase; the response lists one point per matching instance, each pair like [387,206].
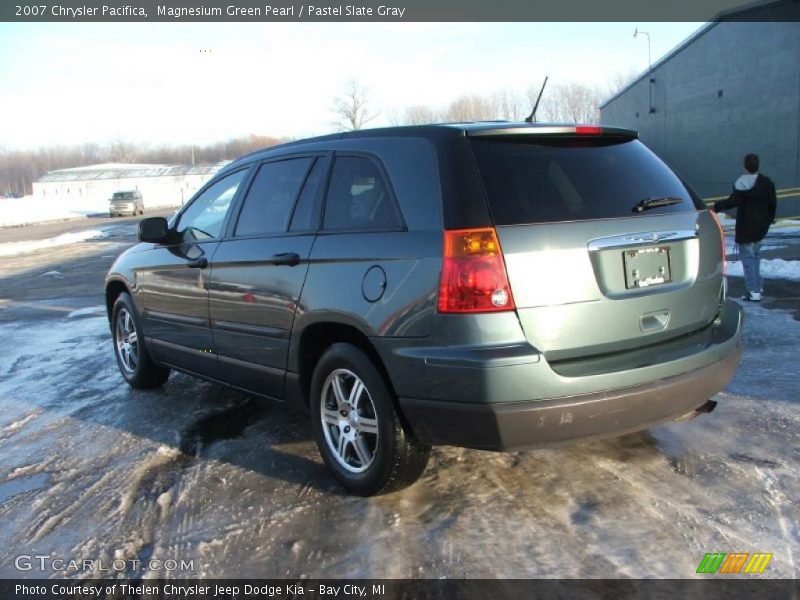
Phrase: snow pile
[36,209]
[28,209]
[776,268]
[784,227]
[14,248]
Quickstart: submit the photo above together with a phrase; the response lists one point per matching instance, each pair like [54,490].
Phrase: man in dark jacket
[754,198]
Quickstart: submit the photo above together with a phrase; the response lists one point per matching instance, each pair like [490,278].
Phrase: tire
[376,454]
[133,359]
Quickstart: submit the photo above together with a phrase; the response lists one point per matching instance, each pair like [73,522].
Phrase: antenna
[531,118]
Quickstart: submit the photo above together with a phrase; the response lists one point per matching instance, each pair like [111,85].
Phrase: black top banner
[395,10]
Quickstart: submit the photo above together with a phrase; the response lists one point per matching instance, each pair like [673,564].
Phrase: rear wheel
[133,359]
[359,434]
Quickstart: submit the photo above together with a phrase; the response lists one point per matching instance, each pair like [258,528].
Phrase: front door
[174,281]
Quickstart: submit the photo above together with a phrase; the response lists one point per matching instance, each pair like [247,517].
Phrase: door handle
[285,258]
[198,263]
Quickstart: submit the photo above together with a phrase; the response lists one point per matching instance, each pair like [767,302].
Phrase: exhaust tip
[709,406]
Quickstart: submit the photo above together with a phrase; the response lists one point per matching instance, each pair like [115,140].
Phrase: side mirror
[153,229]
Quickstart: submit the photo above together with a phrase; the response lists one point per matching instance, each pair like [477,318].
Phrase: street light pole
[636,34]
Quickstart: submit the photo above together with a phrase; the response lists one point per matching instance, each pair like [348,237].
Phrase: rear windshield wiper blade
[648,203]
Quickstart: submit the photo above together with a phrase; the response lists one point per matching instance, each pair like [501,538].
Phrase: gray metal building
[731,88]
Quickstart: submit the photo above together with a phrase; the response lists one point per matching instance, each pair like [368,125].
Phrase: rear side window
[269,201]
[358,198]
[571,179]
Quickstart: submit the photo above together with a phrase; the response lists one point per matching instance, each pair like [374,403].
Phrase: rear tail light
[474,278]
[588,130]
[722,238]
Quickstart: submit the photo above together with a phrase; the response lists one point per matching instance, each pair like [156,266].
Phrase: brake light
[588,130]
[722,238]
[474,278]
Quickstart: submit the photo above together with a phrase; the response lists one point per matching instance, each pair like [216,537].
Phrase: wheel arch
[317,337]
[114,288]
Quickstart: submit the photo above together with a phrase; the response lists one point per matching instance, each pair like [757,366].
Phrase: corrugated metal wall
[734,89]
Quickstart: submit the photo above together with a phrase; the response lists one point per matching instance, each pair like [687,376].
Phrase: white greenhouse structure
[93,186]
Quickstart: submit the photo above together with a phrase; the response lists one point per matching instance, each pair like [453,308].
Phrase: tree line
[20,168]
[562,102]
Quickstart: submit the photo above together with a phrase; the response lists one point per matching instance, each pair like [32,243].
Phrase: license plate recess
[646,267]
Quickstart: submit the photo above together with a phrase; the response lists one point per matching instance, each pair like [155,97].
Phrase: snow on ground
[774,268]
[14,248]
[89,311]
[785,226]
[93,469]
[34,209]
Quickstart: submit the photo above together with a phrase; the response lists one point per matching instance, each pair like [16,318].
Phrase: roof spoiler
[555,130]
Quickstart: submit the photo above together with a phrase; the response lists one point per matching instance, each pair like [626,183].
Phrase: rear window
[123,196]
[571,179]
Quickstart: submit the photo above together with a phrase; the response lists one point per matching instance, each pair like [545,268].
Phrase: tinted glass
[358,198]
[203,218]
[573,179]
[306,213]
[271,196]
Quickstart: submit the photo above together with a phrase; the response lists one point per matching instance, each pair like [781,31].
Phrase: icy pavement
[91,469]
[14,248]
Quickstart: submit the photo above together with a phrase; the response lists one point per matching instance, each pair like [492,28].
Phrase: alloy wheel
[127,341]
[349,420]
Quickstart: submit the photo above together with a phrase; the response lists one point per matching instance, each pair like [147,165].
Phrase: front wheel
[133,359]
[358,431]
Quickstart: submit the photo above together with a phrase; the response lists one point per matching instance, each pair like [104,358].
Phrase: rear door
[259,270]
[606,248]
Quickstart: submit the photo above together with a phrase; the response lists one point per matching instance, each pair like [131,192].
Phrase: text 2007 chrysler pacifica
[488,285]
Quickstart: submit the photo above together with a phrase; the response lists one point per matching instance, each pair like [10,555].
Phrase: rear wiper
[648,203]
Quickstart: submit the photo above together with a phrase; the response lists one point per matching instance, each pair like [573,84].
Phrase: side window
[358,198]
[268,204]
[306,213]
[203,219]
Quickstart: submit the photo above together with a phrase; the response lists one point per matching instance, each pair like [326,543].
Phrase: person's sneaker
[752,297]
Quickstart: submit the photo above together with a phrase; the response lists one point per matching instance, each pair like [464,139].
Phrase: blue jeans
[751,265]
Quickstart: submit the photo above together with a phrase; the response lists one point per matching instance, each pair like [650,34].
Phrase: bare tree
[570,102]
[509,106]
[470,107]
[121,151]
[416,115]
[617,82]
[351,108]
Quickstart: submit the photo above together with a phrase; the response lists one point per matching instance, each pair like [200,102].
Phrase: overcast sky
[195,83]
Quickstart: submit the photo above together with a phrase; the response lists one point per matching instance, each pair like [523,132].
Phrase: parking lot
[229,486]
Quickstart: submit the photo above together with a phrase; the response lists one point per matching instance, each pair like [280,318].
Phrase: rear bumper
[510,425]
[504,397]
